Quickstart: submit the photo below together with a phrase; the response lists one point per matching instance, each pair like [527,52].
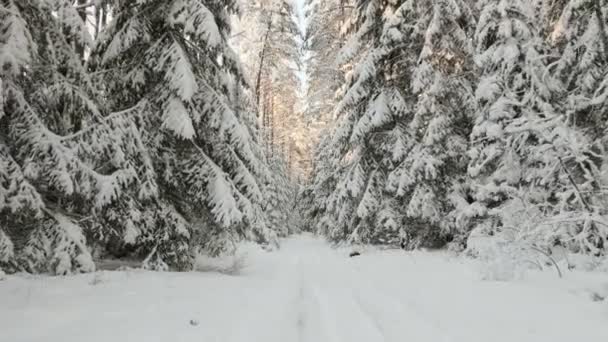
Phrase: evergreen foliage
[139,140]
[464,119]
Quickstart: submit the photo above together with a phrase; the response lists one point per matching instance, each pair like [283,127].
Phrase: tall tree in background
[324,40]
[266,40]
[269,47]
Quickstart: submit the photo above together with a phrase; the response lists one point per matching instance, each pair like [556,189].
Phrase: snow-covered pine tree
[581,36]
[315,196]
[281,196]
[533,167]
[172,59]
[510,57]
[566,192]
[571,150]
[64,157]
[360,208]
[262,230]
[442,81]
[403,39]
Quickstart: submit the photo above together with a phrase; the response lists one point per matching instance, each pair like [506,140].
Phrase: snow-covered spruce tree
[581,36]
[566,193]
[262,231]
[434,172]
[63,156]
[535,171]
[315,196]
[571,150]
[172,59]
[280,198]
[361,210]
[510,56]
[352,181]
[403,39]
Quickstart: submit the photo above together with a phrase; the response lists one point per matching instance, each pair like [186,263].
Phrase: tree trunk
[262,58]
[271,125]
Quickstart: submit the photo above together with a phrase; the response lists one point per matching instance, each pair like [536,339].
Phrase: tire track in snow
[397,316]
[312,320]
[371,318]
[301,321]
[355,298]
[343,318]
[337,302]
[319,323]
[268,314]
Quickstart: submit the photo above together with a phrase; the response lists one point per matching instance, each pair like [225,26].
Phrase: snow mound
[228,264]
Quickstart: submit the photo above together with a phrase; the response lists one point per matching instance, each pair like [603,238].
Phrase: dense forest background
[163,129]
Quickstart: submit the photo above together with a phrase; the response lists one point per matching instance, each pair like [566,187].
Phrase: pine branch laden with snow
[365,114]
[58,246]
[372,120]
[441,115]
[525,135]
[51,159]
[167,240]
[190,74]
[502,56]
[316,196]
[15,40]
[581,37]
[7,252]
[17,192]
[69,250]
[61,152]
[467,112]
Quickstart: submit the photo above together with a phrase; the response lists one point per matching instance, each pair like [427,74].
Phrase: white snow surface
[307,292]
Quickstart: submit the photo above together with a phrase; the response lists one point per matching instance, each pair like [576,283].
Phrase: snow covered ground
[307,292]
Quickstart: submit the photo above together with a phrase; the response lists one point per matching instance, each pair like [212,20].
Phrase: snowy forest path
[304,292]
[390,296]
[342,303]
